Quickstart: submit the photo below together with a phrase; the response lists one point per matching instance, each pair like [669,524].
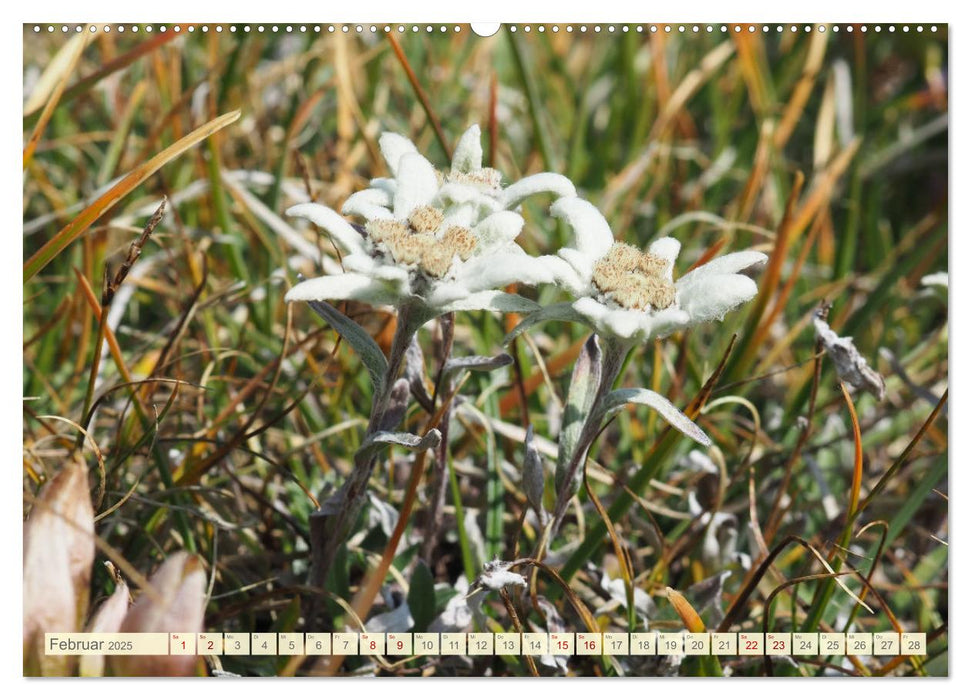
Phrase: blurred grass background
[220,414]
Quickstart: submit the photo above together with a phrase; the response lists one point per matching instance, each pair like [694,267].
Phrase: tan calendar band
[489,644]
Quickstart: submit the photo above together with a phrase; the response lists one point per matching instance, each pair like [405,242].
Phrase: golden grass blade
[66,67]
[802,91]
[112,66]
[752,64]
[39,260]
[53,74]
[857,457]
[689,616]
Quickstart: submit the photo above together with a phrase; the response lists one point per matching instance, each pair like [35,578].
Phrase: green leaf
[477,363]
[563,311]
[410,441]
[617,399]
[492,300]
[421,596]
[579,402]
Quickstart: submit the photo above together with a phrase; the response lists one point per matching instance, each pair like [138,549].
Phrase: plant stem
[612,360]
[330,524]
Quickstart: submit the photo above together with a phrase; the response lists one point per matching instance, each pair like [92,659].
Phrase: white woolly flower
[625,293]
[935,279]
[443,241]
[467,191]
[496,576]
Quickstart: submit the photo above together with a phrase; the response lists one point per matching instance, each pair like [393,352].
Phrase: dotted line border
[446,29]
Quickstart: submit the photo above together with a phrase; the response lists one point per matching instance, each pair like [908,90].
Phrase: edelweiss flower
[631,295]
[443,241]
[469,191]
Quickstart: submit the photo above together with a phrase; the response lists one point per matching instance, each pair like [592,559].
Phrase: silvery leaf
[617,591]
[491,300]
[562,311]
[358,338]
[707,595]
[554,623]
[579,402]
[415,374]
[851,366]
[534,479]
[381,515]
[473,533]
[456,617]
[616,400]
[397,405]
[397,620]
[409,441]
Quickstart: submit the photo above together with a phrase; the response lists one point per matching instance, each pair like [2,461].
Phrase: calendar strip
[405,644]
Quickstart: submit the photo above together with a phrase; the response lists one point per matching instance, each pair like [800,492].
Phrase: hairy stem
[330,524]
[612,360]
[436,508]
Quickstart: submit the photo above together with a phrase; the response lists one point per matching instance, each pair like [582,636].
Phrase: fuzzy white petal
[498,229]
[386,184]
[453,194]
[496,580]
[582,264]
[591,309]
[370,212]
[499,269]
[551,183]
[332,222]
[360,262]
[627,324]
[417,184]
[726,264]
[445,293]
[667,248]
[373,268]
[458,193]
[393,147]
[468,151]
[667,321]
[712,296]
[630,324]
[591,230]
[464,215]
[565,274]
[349,285]
[491,300]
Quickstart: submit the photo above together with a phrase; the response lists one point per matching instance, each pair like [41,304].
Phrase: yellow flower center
[416,242]
[483,177]
[426,219]
[634,279]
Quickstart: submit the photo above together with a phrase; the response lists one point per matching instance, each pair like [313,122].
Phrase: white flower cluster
[445,241]
[432,242]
